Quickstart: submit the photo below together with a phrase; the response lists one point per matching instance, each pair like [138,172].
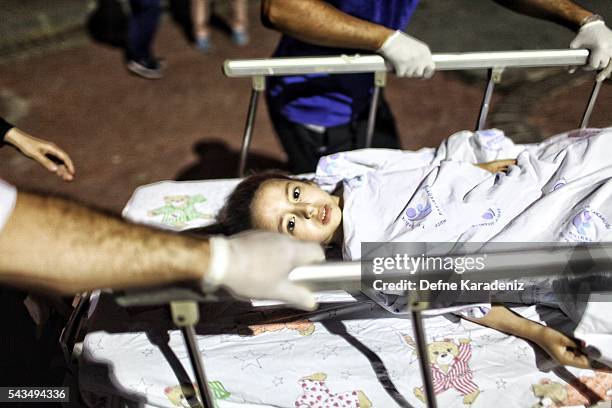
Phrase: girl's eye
[291,225]
[296,193]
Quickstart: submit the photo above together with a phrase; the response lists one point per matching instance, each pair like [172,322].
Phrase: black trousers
[141,29]
[24,359]
[304,146]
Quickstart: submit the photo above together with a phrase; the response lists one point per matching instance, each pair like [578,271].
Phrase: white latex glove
[409,56]
[598,39]
[255,265]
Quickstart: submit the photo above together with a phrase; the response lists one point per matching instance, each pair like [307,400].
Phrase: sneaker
[240,38]
[202,44]
[151,68]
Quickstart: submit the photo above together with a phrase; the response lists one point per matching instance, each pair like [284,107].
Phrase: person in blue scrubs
[317,115]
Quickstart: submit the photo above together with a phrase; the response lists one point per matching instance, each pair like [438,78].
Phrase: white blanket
[559,191]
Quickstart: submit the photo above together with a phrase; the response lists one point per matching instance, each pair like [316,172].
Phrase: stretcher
[347,276]
[494,62]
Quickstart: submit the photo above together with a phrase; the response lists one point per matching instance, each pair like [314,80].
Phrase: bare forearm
[502,319]
[57,246]
[559,346]
[319,23]
[564,12]
[13,136]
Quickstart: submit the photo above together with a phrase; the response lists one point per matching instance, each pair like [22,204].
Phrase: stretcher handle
[374,63]
[574,261]
[517,264]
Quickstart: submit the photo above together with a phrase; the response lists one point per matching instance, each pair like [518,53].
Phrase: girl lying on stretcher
[558,190]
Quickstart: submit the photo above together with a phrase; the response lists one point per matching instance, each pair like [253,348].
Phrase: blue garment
[332,100]
[141,30]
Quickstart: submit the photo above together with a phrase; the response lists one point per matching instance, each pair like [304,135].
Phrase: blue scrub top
[332,100]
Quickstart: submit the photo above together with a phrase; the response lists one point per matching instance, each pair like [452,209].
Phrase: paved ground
[123,131]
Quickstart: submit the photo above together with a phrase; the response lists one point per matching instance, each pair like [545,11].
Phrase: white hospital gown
[8,196]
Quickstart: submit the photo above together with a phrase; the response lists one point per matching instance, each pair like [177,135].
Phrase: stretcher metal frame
[495,63]
[184,301]
[573,262]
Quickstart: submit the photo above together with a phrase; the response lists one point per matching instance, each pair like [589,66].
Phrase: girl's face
[296,208]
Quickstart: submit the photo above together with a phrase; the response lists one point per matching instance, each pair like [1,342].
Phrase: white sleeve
[8,197]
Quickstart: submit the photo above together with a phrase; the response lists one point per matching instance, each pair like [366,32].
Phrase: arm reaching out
[593,35]
[560,347]
[46,153]
[56,246]
[317,22]
[61,247]
[564,12]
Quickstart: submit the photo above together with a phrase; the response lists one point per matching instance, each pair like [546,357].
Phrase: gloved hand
[598,39]
[409,56]
[255,265]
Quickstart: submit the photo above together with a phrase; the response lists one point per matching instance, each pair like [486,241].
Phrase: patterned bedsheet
[350,355]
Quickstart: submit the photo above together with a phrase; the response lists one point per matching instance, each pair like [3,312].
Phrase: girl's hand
[561,348]
[46,153]
[497,165]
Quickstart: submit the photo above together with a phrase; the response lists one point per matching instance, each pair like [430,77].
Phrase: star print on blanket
[316,394]
[448,362]
[179,210]
[186,396]
[592,387]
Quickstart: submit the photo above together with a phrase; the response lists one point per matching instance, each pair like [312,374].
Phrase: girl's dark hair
[235,216]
